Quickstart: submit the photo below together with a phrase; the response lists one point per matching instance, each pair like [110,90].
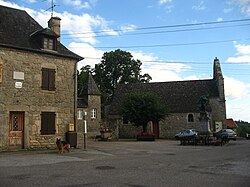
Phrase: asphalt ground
[130,163]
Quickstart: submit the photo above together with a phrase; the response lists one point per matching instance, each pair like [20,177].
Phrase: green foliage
[141,107]
[243,128]
[82,76]
[117,67]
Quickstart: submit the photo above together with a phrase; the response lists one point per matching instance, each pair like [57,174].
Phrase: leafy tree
[82,76]
[141,107]
[243,128]
[118,67]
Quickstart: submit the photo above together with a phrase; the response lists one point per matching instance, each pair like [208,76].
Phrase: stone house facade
[182,100]
[37,86]
[89,107]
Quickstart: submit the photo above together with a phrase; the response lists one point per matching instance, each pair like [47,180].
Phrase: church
[182,99]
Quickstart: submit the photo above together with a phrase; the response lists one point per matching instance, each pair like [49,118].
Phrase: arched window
[190,118]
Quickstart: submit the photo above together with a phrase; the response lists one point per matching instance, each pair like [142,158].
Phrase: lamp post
[85,130]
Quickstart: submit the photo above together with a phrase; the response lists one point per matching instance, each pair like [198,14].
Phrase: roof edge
[41,51]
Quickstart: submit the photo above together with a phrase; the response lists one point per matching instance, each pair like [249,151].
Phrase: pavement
[130,163]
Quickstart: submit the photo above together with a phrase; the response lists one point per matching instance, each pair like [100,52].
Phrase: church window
[190,118]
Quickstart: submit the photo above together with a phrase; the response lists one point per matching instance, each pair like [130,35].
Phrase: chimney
[54,25]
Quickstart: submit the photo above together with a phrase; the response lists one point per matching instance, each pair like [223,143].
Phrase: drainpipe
[75,94]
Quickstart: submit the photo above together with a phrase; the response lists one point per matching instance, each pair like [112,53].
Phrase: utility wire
[159,32]
[161,27]
[179,62]
[166,45]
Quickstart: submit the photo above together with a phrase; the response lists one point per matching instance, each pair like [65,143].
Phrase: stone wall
[31,100]
[176,122]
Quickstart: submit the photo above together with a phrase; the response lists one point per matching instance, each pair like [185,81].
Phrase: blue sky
[187,47]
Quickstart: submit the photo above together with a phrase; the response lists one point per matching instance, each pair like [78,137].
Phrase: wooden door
[16,126]
[156,129]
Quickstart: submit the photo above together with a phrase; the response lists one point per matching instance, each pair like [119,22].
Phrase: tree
[141,107]
[82,76]
[118,67]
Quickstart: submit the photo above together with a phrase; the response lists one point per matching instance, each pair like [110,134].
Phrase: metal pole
[84,137]
[85,132]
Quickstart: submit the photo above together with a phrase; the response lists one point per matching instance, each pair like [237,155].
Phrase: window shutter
[51,123]
[52,73]
[48,123]
[45,78]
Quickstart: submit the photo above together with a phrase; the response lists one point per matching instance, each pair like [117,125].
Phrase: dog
[61,145]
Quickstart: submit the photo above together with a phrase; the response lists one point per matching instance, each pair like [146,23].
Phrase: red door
[16,124]
[156,129]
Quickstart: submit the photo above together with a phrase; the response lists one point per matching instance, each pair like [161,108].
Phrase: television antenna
[51,8]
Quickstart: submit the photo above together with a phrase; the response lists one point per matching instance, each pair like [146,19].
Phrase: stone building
[89,106]
[182,100]
[37,82]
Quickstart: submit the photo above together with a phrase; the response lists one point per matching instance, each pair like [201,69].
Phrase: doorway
[16,128]
[156,129]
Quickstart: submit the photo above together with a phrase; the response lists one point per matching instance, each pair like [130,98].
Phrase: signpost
[85,130]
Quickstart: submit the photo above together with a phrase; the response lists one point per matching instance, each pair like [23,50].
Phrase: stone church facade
[38,97]
[182,100]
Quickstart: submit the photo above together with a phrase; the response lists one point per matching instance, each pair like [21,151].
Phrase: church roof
[17,28]
[179,96]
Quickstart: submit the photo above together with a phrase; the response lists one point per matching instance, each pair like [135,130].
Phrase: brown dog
[61,145]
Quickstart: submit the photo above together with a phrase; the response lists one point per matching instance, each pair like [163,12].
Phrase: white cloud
[92,56]
[166,4]
[244,5]
[219,19]
[243,49]
[199,7]
[77,3]
[70,23]
[30,1]
[235,89]
[161,2]
[159,71]
[128,28]
[242,55]
[239,59]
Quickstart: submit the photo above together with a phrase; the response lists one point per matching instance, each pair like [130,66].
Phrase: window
[49,43]
[79,115]
[93,113]
[48,123]
[190,118]
[48,79]
[16,121]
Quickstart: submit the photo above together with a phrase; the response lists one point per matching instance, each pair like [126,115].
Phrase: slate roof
[89,88]
[16,29]
[179,96]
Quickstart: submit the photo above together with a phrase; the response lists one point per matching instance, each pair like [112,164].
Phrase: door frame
[16,131]
[156,129]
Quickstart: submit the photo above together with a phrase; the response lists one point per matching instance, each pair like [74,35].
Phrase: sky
[174,39]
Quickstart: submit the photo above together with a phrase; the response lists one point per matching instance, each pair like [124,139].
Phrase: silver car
[227,134]
[190,133]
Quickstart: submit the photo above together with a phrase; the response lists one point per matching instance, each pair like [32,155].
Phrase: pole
[84,134]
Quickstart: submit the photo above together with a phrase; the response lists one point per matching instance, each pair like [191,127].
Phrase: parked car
[227,134]
[186,134]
